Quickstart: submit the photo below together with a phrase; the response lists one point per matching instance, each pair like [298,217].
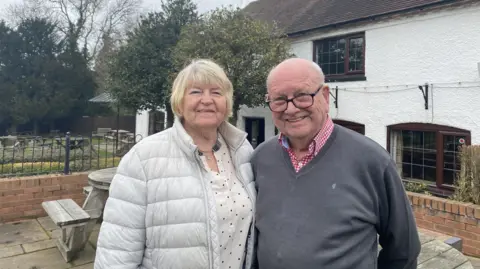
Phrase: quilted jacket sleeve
[121,241]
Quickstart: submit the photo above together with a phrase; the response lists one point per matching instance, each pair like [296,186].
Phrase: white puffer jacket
[161,213]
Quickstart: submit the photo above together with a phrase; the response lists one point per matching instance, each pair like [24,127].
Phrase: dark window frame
[348,75]
[440,130]
[357,127]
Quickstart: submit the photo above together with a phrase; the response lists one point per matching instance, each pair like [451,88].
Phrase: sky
[150,5]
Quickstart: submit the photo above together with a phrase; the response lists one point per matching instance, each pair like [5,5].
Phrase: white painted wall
[141,124]
[257,112]
[440,49]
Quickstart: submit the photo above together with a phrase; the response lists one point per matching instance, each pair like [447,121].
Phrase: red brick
[25,196]
[7,210]
[11,192]
[462,209]
[418,215]
[45,181]
[470,212]
[414,199]
[472,228]
[448,206]
[52,188]
[11,216]
[455,207]
[34,212]
[469,250]
[455,224]
[34,182]
[466,234]
[444,229]
[425,224]
[434,219]
[34,189]
[476,213]
[23,207]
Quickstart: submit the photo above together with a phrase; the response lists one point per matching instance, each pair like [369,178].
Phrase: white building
[378,56]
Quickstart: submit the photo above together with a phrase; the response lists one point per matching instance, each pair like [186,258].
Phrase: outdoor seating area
[67,237]
[76,223]
[31,244]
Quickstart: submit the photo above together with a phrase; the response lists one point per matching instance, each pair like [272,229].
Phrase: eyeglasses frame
[288,100]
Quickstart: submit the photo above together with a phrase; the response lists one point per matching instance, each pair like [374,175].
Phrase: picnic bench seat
[67,214]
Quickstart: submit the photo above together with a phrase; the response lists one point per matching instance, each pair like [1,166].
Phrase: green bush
[467,184]
[417,187]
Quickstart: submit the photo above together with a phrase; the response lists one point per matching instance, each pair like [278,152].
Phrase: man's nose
[291,108]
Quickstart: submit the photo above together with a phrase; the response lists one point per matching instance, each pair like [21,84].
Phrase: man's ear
[326,93]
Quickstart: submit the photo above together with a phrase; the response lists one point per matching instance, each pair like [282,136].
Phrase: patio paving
[30,244]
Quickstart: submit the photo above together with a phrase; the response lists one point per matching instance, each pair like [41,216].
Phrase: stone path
[30,244]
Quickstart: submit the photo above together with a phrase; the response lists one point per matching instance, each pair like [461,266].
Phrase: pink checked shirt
[318,142]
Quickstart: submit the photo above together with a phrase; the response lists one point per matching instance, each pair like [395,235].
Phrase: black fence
[26,155]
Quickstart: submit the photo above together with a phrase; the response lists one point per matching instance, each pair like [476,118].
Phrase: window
[357,127]
[341,58]
[427,152]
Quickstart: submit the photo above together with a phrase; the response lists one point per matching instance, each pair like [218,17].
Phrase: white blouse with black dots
[234,209]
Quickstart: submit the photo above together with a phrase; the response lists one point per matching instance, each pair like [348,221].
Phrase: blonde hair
[201,72]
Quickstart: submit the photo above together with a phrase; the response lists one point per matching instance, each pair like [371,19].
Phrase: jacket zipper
[209,232]
[252,226]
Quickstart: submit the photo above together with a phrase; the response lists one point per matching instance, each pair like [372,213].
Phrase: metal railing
[35,155]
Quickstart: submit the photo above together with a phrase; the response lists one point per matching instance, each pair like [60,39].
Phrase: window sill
[345,78]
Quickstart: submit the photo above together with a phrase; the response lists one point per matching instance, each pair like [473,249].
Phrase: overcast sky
[203,5]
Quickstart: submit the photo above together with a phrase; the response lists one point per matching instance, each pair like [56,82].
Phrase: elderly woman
[184,198]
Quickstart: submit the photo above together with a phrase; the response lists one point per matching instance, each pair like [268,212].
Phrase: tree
[245,47]
[85,22]
[9,74]
[139,74]
[42,78]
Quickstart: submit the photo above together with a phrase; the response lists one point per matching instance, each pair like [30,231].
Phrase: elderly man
[325,192]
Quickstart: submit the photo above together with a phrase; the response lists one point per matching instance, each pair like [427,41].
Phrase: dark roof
[296,16]
[103,98]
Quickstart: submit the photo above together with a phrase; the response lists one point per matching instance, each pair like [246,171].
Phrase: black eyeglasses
[302,101]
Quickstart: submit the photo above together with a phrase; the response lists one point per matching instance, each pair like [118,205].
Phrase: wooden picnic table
[100,181]
[77,223]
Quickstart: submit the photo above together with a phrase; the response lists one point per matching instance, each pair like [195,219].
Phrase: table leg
[94,205]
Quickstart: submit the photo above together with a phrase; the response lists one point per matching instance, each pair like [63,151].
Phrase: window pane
[451,163]
[331,56]
[416,154]
[355,53]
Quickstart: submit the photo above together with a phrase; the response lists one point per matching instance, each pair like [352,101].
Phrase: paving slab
[11,251]
[47,259]
[447,260]
[85,266]
[21,232]
[94,238]
[47,223]
[40,245]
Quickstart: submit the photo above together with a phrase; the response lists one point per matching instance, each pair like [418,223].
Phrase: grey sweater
[329,213]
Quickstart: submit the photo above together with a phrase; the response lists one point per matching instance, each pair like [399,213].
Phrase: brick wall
[21,198]
[449,217]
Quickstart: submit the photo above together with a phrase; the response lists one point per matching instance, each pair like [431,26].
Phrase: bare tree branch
[86,21]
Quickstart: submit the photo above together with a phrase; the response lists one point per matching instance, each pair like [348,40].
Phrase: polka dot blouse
[234,209]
